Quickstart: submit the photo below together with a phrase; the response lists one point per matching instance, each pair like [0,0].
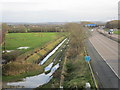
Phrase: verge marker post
[87,86]
[93,75]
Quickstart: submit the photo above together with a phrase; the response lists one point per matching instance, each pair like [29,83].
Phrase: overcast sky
[58,10]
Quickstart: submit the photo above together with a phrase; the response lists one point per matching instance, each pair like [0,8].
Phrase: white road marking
[106,61]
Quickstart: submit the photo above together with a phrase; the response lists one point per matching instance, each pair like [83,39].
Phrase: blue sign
[91,25]
[87,58]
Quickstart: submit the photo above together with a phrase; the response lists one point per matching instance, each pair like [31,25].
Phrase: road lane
[105,76]
[107,48]
[112,36]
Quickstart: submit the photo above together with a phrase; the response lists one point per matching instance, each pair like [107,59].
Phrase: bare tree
[4,31]
[77,35]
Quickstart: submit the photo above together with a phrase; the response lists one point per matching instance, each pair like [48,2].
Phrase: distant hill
[99,22]
[113,24]
[37,23]
[86,22]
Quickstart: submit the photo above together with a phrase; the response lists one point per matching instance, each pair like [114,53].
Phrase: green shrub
[15,68]
[69,66]
[11,56]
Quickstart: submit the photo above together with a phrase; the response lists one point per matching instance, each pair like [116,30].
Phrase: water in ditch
[35,81]
[51,53]
[41,79]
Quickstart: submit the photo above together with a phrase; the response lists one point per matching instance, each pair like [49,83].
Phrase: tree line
[35,28]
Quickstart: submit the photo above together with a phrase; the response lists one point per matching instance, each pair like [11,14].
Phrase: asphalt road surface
[104,55]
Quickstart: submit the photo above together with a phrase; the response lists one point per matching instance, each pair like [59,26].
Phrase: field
[31,40]
[21,67]
[117,32]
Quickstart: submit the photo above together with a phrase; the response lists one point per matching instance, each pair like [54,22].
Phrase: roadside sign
[87,58]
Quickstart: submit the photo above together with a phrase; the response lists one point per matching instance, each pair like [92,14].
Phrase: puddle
[35,81]
[51,53]
[23,47]
[32,82]
[8,51]
[48,67]
[92,30]
[60,60]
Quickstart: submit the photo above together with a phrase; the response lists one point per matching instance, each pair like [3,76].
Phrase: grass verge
[77,74]
[117,32]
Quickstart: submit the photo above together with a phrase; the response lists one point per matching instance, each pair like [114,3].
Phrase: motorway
[104,59]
